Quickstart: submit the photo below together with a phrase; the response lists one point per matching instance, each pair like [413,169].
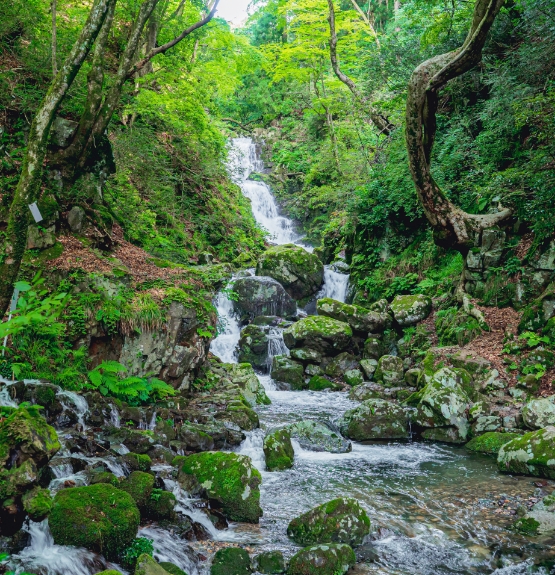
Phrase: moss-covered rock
[109,572]
[331,559]
[195,438]
[278,450]
[306,355]
[270,563]
[530,454]
[341,520]
[360,319]
[253,346]
[104,477]
[98,517]
[375,419]
[171,568]
[366,391]
[490,443]
[160,505]
[137,461]
[539,413]
[319,383]
[242,376]
[322,334]
[37,503]
[230,479]
[288,371]
[340,364]
[410,309]
[139,485]
[319,436]
[455,327]
[353,377]
[257,296]
[301,273]
[390,371]
[373,348]
[231,561]
[369,367]
[146,565]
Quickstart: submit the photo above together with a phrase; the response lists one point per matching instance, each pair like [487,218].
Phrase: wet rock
[231,561]
[171,568]
[410,309]
[257,296]
[253,346]
[536,522]
[360,319]
[539,413]
[270,563]
[230,480]
[486,423]
[319,383]
[369,367]
[319,333]
[76,219]
[278,450]
[298,271]
[146,565]
[412,376]
[340,364]
[367,391]
[530,454]
[244,378]
[375,419]
[447,434]
[285,370]
[98,517]
[331,559]
[372,348]
[104,477]
[306,354]
[27,443]
[341,520]
[490,443]
[37,503]
[319,436]
[194,438]
[390,371]
[353,377]
[160,506]
[312,369]
[137,462]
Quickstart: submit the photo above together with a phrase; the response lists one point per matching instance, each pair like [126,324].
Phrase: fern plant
[109,379]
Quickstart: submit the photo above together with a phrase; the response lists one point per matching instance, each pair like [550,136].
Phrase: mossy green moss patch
[231,561]
[490,443]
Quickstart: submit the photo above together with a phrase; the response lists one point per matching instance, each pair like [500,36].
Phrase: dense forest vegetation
[320,244]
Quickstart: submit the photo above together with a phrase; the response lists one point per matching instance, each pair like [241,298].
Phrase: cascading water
[335,285]
[276,345]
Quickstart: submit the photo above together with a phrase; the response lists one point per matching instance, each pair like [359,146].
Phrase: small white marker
[36,212]
[15,297]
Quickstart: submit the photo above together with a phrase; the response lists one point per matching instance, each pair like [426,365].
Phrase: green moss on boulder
[139,485]
[98,517]
[332,559]
[490,443]
[270,563]
[160,505]
[231,561]
[37,503]
[253,346]
[410,309]
[359,318]
[230,479]
[146,565]
[319,383]
[390,371]
[137,462]
[319,436]
[104,477]
[171,568]
[285,370]
[278,450]
[375,419]
[301,273]
[341,520]
[353,377]
[323,334]
[530,454]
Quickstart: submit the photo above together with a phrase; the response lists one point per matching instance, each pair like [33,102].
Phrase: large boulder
[327,559]
[230,479]
[410,309]
[539,413]
[360,319]
[258,296]
[98,517]
[390,371]
[319,436]
[244,378]
[139,485]
[278,450]
[319,333]
[375,419]
[530,454]
[270,563]
[146,565]
[443,403]
[341,520]
[341,363]
[298,271]
[288,371]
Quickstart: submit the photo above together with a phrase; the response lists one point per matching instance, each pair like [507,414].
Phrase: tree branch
[366,20]
[378,120]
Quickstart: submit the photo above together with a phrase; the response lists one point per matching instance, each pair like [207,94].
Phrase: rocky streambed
[355,445]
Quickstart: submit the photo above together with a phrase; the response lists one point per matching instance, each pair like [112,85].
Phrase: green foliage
[532,339]
[107,378]
[139,546]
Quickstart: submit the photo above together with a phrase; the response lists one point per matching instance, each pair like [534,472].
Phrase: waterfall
[5,397]
[335,285]
[276,345]
[115,419]
[81,407]
[223,346]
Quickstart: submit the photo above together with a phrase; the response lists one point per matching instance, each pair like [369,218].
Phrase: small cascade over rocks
[335,286]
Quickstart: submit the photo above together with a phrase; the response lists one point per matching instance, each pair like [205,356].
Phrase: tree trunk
[453,228]
[15,238]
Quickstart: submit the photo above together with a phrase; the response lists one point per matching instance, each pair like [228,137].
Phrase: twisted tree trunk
[14,240]
[453,227]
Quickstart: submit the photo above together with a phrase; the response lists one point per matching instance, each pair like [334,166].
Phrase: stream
[435,509]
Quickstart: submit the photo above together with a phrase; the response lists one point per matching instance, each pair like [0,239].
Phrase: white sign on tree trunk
[36,212]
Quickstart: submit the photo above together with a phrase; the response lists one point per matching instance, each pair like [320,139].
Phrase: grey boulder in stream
[319,436]
[258,296]
[327,559]
[375,419]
